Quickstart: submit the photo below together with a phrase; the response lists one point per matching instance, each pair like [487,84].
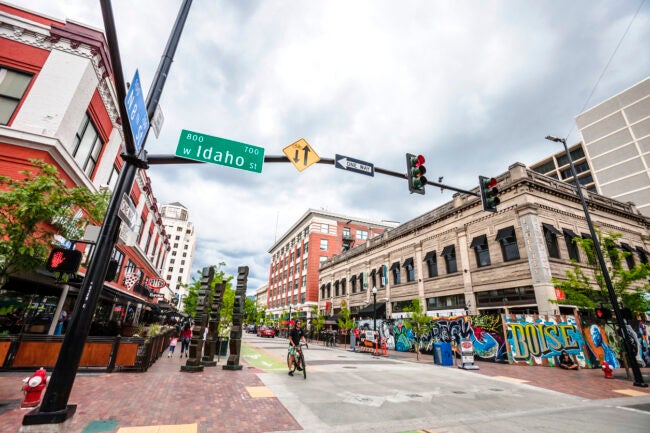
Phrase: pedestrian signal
[64,261]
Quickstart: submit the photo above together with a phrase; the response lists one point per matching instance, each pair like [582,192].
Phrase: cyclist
[295,337]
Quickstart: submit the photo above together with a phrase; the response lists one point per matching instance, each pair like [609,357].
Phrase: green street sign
[215,150]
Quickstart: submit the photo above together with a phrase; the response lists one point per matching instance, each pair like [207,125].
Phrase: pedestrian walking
[186,336]
[172,346]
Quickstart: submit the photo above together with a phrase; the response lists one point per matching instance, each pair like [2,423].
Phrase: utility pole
[54,408]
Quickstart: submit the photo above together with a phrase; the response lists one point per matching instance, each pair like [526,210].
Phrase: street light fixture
[638,378]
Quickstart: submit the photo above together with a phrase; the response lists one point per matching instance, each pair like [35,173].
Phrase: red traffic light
[419,160]
[64,261]
[491,183]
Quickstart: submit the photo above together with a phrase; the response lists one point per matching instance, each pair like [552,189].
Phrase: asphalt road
[356,392]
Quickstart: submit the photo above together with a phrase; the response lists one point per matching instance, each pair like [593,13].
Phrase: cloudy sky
[473,86]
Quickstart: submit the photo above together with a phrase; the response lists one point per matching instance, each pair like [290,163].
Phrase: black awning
[353,278]
[394,265]
[430,256]
[408,262]
[569,233]
[626,247]
[505,233]
[586,236]
[336,284]
[125,296]
[367,310]
[448,250]
[373,272]
[478,241]
[551,229]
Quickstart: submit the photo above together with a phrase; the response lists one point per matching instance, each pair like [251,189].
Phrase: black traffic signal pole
[54,408]
[625,336]
[173,159]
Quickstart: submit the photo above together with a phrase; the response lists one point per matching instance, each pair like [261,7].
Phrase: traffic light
[603,313]
[415,171]
[489,193]
[63,260]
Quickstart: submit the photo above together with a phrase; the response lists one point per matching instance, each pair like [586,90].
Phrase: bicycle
[299,359]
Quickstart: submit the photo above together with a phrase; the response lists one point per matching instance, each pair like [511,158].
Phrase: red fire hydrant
[34,387]
[607,369]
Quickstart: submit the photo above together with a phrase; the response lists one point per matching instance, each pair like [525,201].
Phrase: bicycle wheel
[304,367]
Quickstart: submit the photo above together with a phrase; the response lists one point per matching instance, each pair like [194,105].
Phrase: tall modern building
[616,137]
[614,157]
[297,255]
[178,265]
[557,166]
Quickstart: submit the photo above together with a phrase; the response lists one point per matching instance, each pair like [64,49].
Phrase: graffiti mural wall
[539,340]
[516,339]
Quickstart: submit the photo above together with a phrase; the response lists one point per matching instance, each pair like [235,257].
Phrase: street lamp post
[374,310]
[638,378]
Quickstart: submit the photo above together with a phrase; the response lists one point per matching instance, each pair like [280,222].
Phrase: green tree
[250,311]
[36,207]
[418,322]
[345,321]
[588,289]
[317,320]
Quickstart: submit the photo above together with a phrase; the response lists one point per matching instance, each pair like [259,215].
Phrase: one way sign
[354,165]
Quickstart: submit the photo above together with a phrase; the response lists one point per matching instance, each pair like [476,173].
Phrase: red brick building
[58,104]
[297,255]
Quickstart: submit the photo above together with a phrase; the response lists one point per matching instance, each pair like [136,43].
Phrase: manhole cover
[458,392]
[414,395]
[496,389]
[347,366]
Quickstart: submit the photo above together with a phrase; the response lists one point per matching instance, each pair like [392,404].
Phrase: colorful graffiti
[485,331]
[538,340]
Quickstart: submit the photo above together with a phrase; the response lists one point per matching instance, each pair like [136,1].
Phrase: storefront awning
[367,310]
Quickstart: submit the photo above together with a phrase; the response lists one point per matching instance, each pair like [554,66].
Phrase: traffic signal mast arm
[173,159]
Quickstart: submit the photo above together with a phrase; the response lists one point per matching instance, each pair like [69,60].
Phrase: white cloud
[474,86]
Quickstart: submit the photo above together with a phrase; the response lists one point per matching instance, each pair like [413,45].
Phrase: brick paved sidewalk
[214,400]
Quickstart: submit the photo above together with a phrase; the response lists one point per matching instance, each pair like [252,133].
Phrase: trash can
[442,354]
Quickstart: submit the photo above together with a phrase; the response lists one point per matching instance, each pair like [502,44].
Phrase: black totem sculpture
[213,327]
[193,363]
[237,317]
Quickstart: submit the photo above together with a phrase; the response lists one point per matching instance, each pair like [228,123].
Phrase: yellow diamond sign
[301,154]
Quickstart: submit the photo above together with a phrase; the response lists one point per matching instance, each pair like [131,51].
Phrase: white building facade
[178,264]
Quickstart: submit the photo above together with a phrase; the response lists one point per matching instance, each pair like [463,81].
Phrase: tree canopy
[36,207]
[588,289]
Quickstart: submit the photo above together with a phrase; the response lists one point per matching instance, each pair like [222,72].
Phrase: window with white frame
[13,85]
[86,146]
[323,244]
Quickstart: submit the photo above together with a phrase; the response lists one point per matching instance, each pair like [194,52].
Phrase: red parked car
[264,331]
